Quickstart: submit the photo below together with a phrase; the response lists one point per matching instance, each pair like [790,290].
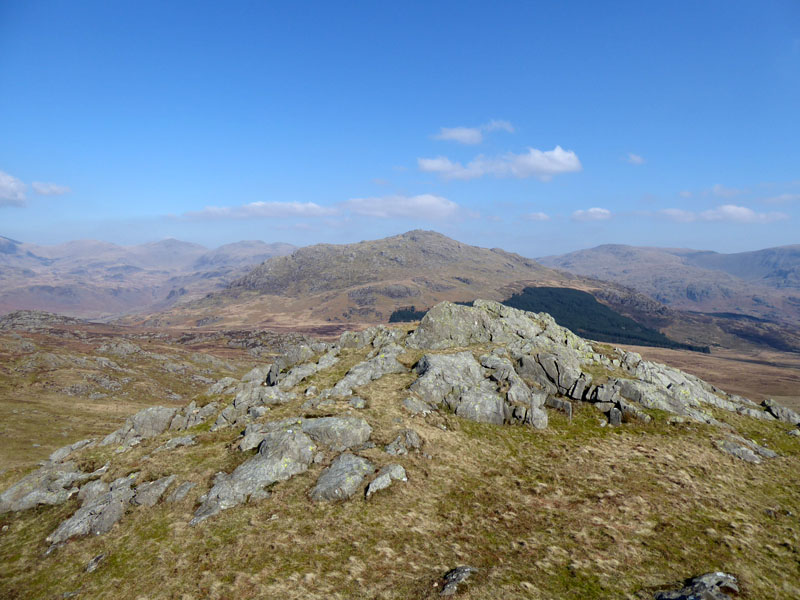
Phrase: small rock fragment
[454,577]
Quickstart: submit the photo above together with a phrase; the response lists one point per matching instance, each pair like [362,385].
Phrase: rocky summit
[381,465]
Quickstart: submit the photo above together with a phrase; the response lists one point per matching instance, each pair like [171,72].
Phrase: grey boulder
[385,477]
[342,479]
[711,586]
[147,494]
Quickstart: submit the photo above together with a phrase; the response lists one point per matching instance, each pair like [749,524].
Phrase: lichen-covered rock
[338,433]
[281,455]
[342,479]
[147,494]
[386,475]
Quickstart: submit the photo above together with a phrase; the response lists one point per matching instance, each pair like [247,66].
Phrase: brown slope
[691,280]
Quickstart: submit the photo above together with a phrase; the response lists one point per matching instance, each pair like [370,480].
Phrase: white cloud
[424,206]
[685,194]
[12,190]
[262,210]
[740,214]
[462,135]
[49,189]
[782,199]
[533,163]
[592,214]
[472,135]
[678,215]
[726,213]
[634,159]
[536,216]
[725,192]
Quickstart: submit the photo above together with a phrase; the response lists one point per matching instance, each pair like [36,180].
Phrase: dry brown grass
[574,511]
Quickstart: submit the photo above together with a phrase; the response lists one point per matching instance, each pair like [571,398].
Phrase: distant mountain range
[763,284]
[88,278]
[325,288]
[322,288]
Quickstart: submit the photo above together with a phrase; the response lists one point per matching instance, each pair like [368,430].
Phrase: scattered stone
[177,442]
[342,479]
[744,449]
[711,586]
[148,494]
[406,440]
[455,577]
[257,374]
[358,403]
[795,432]
[92,565]
[615,417]
[338,433]
[385,477]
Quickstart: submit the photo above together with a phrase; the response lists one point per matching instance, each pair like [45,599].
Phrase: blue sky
[538,127]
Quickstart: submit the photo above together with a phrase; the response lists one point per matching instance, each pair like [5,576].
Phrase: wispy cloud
[726,213]
[424,206]
[782,199]
[262,210]
[472,135]
[536,216]
[533,163]
[12,190]
[685,194]
[49,189]
[634,159]
[592,214]
[721,191]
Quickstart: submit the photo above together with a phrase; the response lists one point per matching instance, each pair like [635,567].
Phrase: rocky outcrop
[336,433]
[53,483]
[787,415]
[281,455]
[147,423]
[98,514]
[383,363]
